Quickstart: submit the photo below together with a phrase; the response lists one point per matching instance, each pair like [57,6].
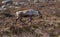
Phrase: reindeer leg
[17,19]
[31,18]
[40,15]
[20,19]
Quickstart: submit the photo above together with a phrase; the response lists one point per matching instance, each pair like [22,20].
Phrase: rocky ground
[47,26]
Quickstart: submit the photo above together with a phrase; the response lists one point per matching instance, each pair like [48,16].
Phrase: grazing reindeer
[27,13]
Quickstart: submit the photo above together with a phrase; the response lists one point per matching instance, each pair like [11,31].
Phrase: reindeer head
[17,13]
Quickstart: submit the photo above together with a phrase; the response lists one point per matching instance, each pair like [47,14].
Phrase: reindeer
[27,13]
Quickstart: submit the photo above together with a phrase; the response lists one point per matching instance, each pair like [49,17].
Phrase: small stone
[58,35]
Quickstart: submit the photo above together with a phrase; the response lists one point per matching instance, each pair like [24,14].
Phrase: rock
[58,35]
[7,2]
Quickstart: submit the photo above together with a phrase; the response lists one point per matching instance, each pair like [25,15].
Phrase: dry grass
[48,26]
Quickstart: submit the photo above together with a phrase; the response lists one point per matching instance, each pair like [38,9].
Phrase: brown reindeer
[28,13]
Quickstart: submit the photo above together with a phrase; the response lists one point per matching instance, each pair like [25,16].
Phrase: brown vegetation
[48,26]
